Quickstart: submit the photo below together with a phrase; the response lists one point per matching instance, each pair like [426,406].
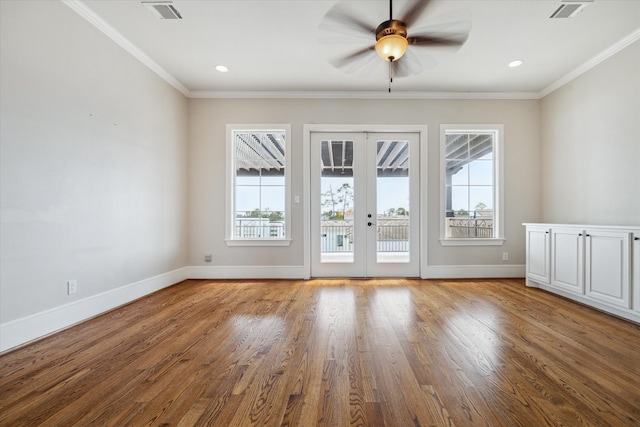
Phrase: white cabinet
[538,254]
[595,265]
[567,261]
[607,262]
[636,272]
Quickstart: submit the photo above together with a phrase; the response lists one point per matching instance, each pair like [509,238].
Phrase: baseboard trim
[472,271]
[38,325]
[248,272]
[299,272]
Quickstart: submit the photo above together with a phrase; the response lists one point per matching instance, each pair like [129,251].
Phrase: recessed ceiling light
[516,63]
[222,68]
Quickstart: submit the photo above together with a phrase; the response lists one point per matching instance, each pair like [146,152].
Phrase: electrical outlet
[72,286]
[505,256]
[207,257]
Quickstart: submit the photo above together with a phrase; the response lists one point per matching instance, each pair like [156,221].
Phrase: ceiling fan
[393,40]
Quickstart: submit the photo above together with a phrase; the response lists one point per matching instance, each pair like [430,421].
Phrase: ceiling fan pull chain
[390,75]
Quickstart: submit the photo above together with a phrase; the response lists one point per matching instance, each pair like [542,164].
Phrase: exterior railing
[337,237]
[464,227]
[393,235]
[259,228]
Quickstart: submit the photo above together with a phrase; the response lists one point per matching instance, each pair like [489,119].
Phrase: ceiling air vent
[569,9]
[163,9]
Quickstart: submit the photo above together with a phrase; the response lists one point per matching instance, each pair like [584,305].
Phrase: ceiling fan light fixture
[391,47]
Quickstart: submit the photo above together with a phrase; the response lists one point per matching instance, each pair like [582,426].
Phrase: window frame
[230,237]
[498,185]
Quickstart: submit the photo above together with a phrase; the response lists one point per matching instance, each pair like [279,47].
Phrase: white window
[471,185]
[258,185]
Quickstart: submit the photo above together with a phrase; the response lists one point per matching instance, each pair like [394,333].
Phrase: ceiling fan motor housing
[392,26]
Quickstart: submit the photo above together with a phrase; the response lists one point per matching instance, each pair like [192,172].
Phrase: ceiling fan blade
[414,12]
[367,64]
[404,69]
[344,40]
[450,33]
[410,64]
[346,30]
[342,20]
[438,39]
[455,22]
[356,60]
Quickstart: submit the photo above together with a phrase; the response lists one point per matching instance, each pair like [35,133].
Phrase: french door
[365,203]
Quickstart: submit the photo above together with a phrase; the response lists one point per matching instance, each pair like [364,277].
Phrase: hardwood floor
[398,352]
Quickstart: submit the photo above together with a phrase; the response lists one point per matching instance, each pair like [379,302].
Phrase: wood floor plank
[332,352]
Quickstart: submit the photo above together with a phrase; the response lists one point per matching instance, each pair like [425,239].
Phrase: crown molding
[361,95]
[83,10]
[601,57]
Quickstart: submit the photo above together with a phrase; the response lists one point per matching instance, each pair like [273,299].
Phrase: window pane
[393,196]
[247,199]
[272,199]
[460,199]
[260,203]
[273,180]
[248,179]
[481,172]
[459,173]
[481,146]
[469,184]
[481,197]
[457,147]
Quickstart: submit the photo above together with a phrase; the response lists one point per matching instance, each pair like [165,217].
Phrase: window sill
[472,242]
[258,242]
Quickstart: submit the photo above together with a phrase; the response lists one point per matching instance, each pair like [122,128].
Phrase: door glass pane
[336,202]
[392,196]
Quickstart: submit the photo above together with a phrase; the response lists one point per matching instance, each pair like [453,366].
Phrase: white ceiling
[277,46]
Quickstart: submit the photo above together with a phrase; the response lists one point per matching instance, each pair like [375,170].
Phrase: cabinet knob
[636,238]
[588,235]
[580,234]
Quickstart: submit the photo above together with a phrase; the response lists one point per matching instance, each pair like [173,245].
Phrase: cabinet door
[567,259]
[538,256]
[607,275]
[635,272]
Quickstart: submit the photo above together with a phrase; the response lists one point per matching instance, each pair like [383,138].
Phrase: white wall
[93,170]
[591,145]
[208,118]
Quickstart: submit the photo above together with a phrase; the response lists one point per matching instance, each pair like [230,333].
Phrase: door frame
[421,130]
